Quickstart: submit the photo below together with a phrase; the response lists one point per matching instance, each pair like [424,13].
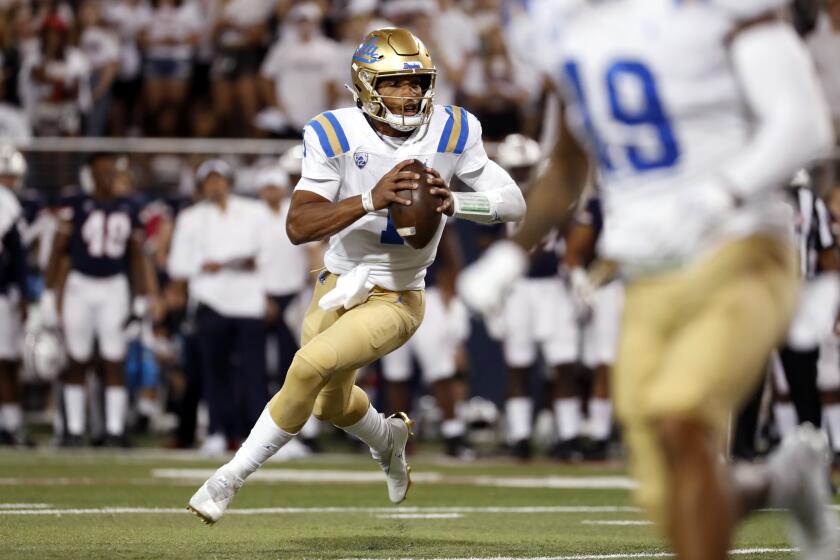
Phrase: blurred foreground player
[102,236]
[12,295]
[696,113]
[369,300]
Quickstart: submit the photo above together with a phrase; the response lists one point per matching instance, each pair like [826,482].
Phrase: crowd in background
[236,68]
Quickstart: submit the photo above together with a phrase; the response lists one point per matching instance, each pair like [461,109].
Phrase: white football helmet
[12,164]
[44,356]
[517,150]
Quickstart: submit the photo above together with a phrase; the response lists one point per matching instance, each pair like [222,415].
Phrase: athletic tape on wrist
[472,204]
[367,201]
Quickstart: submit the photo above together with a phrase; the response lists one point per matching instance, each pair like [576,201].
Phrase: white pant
[600,335]
[95,308]
[11,331]
[828,366]
[539,315]
[433,345]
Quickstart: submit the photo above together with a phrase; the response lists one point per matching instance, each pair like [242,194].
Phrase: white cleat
[397,471]
[215,495]
[799,471]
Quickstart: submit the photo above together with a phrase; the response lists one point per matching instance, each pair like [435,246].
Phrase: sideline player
[12,295]
[102,236]
[697,114]
[369,299]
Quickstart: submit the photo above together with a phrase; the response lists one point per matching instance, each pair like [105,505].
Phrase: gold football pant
[693,347]
[321,379]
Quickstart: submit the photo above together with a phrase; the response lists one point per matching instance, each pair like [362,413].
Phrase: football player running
[696,114]
[369,300]
[102,236]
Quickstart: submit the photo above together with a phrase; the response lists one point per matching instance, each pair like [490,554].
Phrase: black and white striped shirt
[813,230]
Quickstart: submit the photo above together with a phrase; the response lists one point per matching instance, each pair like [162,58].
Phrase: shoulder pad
[456,131]
[330,134]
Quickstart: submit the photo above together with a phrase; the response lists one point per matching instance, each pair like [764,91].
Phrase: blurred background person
[168,42]
[215,248]
[102,49]
[299,78]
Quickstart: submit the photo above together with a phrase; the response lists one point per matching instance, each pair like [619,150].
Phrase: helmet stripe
[465,132]
[447,131]
[342,138]
[322,137]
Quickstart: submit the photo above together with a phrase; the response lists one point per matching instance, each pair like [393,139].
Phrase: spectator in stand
[102,49]
[299,73]
[169,42]
[494,87]
[215,247]
[14,21]
[127,18]
[240,33]
[54,81]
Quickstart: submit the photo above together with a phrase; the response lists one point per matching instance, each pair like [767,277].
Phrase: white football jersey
[345,157]
[650,92]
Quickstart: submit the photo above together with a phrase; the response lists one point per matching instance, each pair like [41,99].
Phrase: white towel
[351,289]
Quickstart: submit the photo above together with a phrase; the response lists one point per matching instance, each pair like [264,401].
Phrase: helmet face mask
[392,53]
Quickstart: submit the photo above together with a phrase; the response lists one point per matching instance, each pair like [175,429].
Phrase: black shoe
[118,442]
[567,450]
[521,449]
[458,448]
[312,444]
[596,451]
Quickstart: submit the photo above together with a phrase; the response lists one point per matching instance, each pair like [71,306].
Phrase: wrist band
[367,201]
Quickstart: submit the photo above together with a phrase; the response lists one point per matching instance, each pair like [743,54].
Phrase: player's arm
[780,86]
[495,197]
[312,216]
[143,276]
[60,247]
[580,246]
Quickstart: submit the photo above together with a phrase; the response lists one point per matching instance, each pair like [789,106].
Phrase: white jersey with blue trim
[650,91]
[345,157]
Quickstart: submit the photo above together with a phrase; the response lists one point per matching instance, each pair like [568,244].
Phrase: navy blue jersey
[12,262]
[100,235]
[590,214]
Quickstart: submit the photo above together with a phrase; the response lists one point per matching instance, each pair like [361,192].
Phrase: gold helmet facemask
[387,53]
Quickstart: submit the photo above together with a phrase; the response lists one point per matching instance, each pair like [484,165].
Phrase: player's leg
[11,414]
[520,352]
[800,368]
[78,327]
[251,373]
[560,334]
[606,317]
[828,381]
[396,370]
[110,314]
[436,350]
[784,413]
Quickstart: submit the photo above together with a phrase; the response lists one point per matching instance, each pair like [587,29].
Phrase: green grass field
[131,505]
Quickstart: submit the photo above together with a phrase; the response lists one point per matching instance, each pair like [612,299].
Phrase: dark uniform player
[12,295]
[102,236]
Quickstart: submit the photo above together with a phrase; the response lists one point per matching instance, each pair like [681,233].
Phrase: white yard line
[616,556]
[616,522]
[421,516]
[24,506]
[375,477]
[336,510]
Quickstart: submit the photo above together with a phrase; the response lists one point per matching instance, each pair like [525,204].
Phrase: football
[417,223]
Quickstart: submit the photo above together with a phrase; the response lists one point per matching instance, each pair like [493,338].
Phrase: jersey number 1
[648,112]
[106,234]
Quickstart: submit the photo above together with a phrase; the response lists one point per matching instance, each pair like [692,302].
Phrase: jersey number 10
[650,113]
[106,234]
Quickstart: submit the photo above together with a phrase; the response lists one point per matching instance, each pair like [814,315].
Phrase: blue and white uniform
[12,275]
[96,294]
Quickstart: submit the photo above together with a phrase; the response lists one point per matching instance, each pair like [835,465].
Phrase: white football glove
[48,309]
[351,289]
[484,284]
[582,290]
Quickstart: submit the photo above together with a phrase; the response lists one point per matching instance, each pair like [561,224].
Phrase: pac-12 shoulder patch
[361,159]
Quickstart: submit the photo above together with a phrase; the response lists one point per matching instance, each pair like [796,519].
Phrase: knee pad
[293,404]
